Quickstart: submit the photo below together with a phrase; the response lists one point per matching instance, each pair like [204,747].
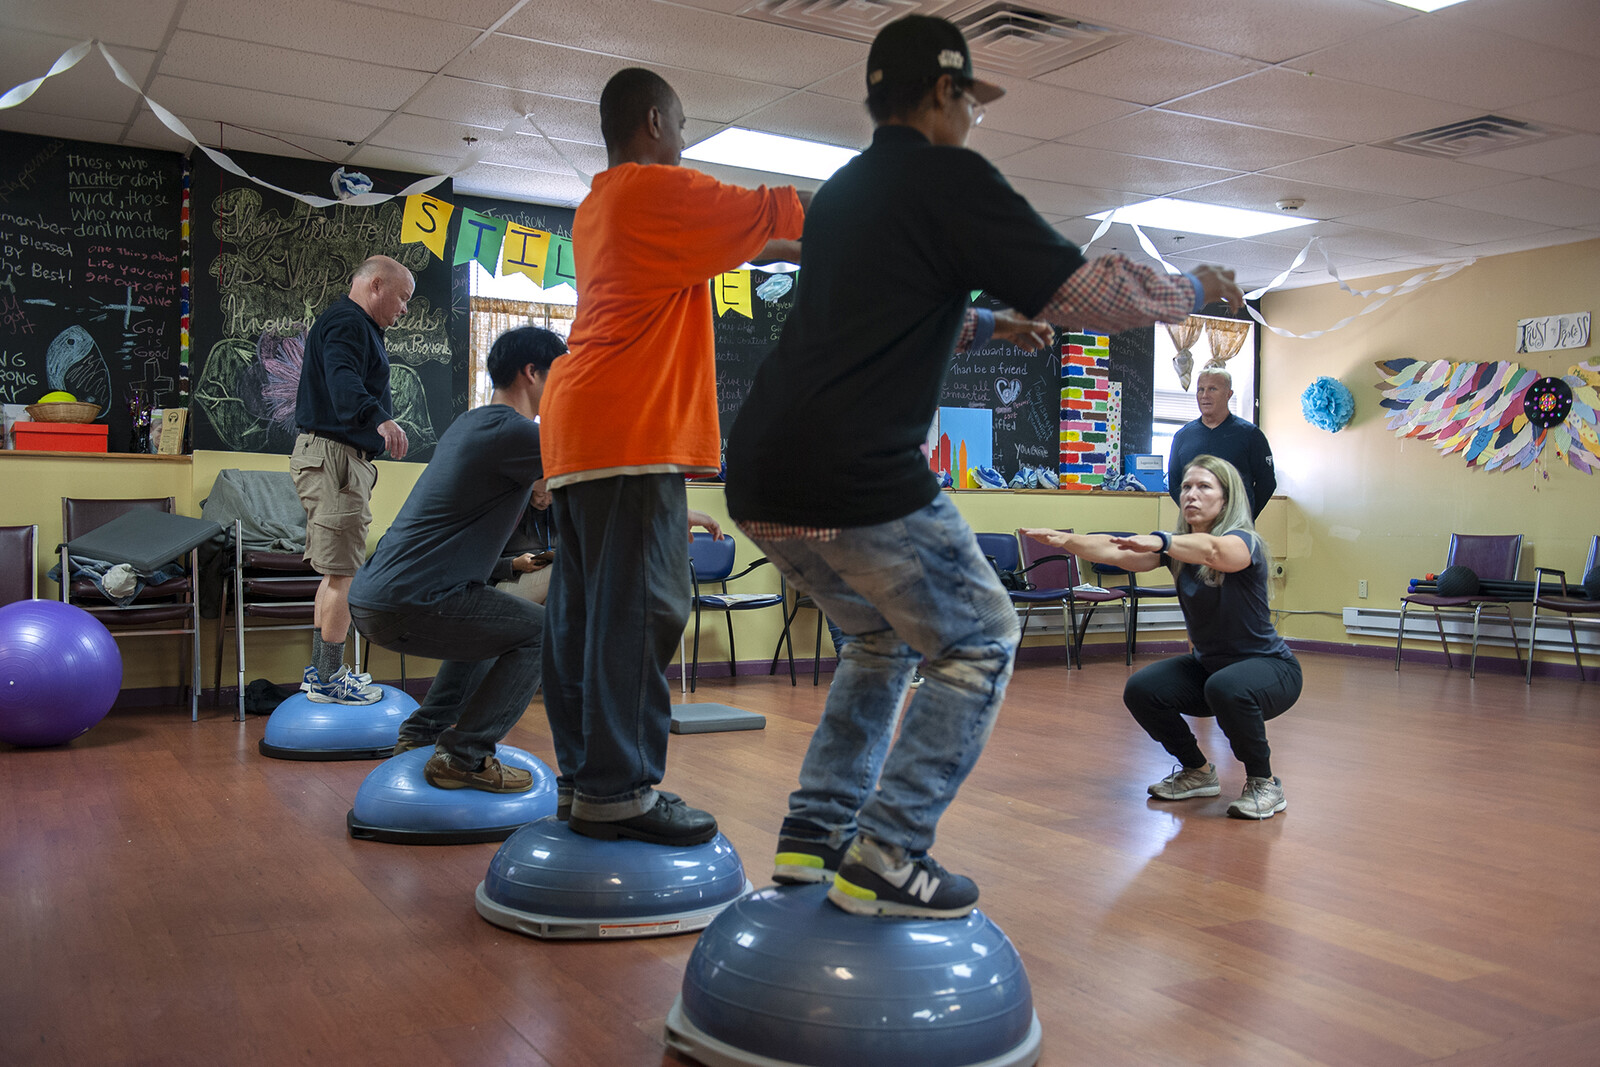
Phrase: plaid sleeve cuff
[1113,293]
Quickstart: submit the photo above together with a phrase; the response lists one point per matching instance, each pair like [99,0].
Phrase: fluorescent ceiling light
[1425,5]
[1190,216]
[735,147]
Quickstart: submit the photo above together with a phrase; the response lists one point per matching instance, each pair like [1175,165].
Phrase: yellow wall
[1369,505]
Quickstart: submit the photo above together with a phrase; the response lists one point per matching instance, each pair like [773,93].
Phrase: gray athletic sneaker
[878,879]
[1262,799]
[1184,783]
[344,688]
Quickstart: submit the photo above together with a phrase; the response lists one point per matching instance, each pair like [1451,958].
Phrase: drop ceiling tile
[522,149]
[1254,29]
[1368,243]
[211,104]
[1381,170]
[1261,192]
[1107,170]
[1547,157]
[148,132]
[87,90]
[1343,111]
[847,84]
[236,140]
[531,151]
[1057,198]
[1149,71]
[752,178]
[220,61]
[480,14]
[1540,199]
[814,117]
[686,38]
[418,163]
[1044,111]
[496,106]
[994,145]
[1427,57]
[1588,177]
[579,75]
[1572,25]
[1546,239]
[346,30]
[1239,256]
[18,120]
[487,179]
[1446,223]
[1078,231]
[139,25]
[1575,111]
[1158,134]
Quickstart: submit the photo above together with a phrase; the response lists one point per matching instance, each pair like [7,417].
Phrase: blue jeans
[914,589]
[491,645]
[619,599]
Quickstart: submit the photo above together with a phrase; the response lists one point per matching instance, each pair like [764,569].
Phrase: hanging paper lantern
[1547,403]
[1327,404]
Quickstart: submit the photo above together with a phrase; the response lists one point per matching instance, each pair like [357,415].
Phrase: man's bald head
[382,287]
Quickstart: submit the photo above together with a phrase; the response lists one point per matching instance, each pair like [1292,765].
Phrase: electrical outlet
[1361,589]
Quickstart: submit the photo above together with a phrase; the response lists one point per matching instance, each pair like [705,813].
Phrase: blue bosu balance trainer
[549,882]
[397,804]
[302,729]
[783,978]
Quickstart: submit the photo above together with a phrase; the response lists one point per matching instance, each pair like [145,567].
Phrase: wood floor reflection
[170,896]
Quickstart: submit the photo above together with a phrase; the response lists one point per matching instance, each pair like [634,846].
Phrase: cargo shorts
[334,481]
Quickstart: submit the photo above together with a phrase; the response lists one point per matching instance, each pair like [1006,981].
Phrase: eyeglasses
[978,109]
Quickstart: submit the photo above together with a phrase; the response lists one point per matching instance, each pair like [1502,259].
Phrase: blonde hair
[1235,513]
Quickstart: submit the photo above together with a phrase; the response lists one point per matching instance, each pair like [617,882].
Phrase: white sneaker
[311,678]
[1262,799]
[345,688]
[1183,783]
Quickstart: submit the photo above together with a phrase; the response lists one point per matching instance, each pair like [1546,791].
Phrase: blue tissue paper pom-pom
[989,478]
[1327,404]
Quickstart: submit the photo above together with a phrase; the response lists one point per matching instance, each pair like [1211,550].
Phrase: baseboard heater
[1492,630]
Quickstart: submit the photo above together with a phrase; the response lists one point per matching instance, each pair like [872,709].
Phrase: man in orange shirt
[626,416]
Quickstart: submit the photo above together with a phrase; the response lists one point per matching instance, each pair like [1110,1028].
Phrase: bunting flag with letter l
[733,293]
[561,269]
[479,239]
[426,219]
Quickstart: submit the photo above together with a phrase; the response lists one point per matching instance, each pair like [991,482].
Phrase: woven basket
[63,412]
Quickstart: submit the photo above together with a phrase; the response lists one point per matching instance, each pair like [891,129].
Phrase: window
[1172,405]
[503,303]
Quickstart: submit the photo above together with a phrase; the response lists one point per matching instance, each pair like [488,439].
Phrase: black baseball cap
[920,48]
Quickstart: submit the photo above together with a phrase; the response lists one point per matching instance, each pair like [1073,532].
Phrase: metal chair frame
[1565,603]
[1466,545]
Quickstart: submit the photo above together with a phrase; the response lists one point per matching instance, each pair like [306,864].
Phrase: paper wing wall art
[1498,415]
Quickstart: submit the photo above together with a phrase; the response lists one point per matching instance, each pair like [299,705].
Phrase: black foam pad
[1458,581]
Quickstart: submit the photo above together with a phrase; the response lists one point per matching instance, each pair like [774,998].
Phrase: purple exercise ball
[60,672]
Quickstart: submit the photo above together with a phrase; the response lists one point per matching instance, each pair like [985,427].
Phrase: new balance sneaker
[344,688]
[670,822]
[311,678]
[492,777]
[1184,783]
[804,861]
[876,879]
[917,680]
[1262,799]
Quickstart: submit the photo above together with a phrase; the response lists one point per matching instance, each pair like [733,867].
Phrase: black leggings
[1242,696]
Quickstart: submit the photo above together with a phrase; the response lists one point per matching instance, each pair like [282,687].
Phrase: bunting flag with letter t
[479,238]
[733,293]
[426,219]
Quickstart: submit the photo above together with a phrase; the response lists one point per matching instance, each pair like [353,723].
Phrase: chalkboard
[1133,354]
[742,343]
[1022,388]
[266,264]
[89,246]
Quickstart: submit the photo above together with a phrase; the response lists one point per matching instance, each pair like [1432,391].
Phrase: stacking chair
[1135,593]
[1494,557]
[800,602]
[711,564]
[1563,602]
[277,588]
[166,608]
[1055,578]
[19,564]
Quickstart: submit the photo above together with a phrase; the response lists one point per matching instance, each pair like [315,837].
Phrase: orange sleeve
[721,226]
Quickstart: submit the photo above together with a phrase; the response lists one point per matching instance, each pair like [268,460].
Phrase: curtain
[1226,337]
[1184,335]
[493,316]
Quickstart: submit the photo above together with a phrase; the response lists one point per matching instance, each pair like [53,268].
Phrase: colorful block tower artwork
[1085,409]
[1113,427]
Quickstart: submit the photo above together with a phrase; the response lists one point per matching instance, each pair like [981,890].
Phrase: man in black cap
[826,474]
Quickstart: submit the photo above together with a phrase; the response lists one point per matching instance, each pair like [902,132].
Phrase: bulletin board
[266,264]
[89,299]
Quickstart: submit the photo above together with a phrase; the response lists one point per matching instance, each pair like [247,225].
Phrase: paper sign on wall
[1550,332]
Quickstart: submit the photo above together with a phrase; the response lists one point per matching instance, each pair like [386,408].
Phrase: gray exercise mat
[143,538]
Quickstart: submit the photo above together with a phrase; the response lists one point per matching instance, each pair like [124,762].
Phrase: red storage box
[59,436]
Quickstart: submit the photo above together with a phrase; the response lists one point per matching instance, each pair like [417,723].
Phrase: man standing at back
[627,415]
[1219,432]
[826,472]
[345,414]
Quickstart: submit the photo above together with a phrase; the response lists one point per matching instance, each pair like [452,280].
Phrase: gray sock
[316,646]
[329,658]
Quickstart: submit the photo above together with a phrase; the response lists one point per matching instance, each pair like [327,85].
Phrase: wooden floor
[1431,896]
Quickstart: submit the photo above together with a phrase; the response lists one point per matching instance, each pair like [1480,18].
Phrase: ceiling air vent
[1490,133]
[1006,38]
